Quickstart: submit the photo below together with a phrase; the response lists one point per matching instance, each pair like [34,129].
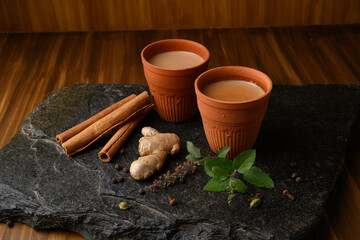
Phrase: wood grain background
[110,15]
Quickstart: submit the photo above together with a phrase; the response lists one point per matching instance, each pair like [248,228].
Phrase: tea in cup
[170,68]
[232,101]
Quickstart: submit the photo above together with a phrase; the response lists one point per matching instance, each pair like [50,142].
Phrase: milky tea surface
[233,91]
[176,60]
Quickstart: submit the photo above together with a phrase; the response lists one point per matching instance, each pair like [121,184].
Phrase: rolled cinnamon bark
[105,124]
[62,137]
[114,144]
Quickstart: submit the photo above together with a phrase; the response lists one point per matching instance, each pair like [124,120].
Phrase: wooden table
[34,64]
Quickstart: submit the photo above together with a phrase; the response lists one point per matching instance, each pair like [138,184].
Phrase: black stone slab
[40,186]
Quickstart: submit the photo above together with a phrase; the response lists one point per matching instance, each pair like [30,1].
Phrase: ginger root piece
[153,149]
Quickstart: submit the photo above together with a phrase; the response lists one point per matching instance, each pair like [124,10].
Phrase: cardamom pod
[255,203]
[124,205]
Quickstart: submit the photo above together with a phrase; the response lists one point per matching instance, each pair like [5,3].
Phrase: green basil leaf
[221,152]
[193,150]
[192,158]
[205,155]
[244,161]
[258,177]
[216,185]
[219,172]
[208,170]
[239,185]
[221,162]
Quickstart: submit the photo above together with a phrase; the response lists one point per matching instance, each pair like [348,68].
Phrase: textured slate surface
[40,186]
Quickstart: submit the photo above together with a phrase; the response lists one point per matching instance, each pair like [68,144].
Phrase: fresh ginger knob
[153,149]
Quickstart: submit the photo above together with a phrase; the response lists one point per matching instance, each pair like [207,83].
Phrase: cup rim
[199,92]
[147,47]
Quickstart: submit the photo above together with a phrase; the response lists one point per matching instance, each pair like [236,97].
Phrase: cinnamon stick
[62,137]
[114,144]
[105,124]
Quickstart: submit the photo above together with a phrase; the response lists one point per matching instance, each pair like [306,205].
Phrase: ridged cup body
[234,124]
[173,90]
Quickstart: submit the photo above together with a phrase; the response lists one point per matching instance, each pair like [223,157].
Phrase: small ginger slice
[153,149]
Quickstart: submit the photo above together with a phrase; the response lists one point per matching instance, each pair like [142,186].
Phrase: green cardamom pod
[124,205]
[255,202]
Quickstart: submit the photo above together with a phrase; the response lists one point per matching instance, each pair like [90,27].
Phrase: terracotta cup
[234,124]
[173,90]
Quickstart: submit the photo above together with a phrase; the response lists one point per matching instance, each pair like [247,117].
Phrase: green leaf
[258,177]
[208,170]
[221,162]
[221,152]
[193,150]
[205,155]
[244,161]
[192,158]
[216,185]
[239,185]
[219,172]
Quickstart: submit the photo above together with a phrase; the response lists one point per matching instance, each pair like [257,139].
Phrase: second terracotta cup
[172,90]
[234,124]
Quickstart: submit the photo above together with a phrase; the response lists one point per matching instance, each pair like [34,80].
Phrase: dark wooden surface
[34,64]
[105,15]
